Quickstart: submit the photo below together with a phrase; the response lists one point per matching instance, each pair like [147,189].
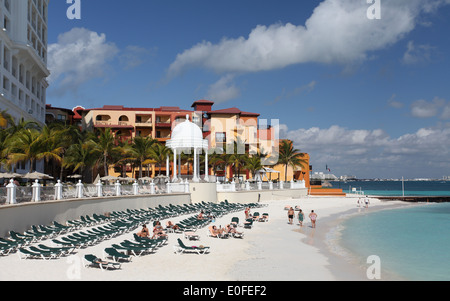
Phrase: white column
[79,187]
[118,188]
[99,189]
[174,164]
[135,188]
[152,188]
[206,166]
[11,192]
[179,165]
[167,167]
[36,191]
[195,177]
[58,190]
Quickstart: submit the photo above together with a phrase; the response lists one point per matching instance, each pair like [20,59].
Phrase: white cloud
[79,56]
[418,53]
[223,90]
[392,102]
[424,109]
[134,56]
[338,31]
[373,153]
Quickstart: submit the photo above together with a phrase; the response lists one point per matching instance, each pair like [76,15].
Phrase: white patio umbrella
[37,176]
[149,179]
[10,175]
[109,178]
[74,177]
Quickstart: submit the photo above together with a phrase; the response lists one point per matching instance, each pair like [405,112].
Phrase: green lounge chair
[94,261]
[182,248]
[116,255]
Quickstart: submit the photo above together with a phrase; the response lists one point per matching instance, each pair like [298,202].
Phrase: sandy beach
[270,251]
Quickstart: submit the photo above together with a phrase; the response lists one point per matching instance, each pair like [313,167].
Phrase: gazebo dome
[187,135]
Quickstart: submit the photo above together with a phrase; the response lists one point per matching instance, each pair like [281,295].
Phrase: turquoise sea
[396,188]
[411,242]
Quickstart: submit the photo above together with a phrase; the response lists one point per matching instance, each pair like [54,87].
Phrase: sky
[360,85]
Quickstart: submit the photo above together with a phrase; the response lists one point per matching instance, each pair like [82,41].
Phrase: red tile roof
[233,111]
[203,102]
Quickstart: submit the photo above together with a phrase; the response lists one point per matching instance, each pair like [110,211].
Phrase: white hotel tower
[23,58]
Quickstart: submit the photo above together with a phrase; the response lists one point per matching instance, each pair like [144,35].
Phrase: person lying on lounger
[231,230]
[200,215]
[172,226]
[144,232]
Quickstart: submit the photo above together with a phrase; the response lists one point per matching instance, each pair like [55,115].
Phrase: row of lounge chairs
[113,224]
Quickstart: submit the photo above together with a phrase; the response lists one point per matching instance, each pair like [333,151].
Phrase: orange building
[220,127]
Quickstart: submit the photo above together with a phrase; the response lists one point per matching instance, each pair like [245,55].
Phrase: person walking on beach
[301,216]
[247,212]
[366,201]
[291,215]
[313,218]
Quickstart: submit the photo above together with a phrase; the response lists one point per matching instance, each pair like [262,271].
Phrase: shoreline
[345,265]
[270,251]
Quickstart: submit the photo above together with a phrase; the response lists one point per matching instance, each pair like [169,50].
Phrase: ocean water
[412,242]
[396,188]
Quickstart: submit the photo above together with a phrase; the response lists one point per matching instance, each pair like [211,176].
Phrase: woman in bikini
[144,232]
[313,217]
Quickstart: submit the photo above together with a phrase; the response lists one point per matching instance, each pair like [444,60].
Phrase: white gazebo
[187,136]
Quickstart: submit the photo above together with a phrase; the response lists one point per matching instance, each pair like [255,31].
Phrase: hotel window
[221,137]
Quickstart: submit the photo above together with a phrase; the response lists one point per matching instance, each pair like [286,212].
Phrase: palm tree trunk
[105,165]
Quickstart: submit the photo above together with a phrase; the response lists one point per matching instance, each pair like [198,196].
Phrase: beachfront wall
[20,217]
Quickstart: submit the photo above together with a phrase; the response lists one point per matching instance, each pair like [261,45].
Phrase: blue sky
[366,97]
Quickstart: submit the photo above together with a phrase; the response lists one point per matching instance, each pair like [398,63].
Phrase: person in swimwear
[291,215]
[313,217]
[301,216]
[144,232]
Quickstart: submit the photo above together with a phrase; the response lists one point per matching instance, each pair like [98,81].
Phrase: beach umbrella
[97,179]
[10,175]
[74,177]
[128,179]
[109,178]
[161,179]
[149,179]
[37,176]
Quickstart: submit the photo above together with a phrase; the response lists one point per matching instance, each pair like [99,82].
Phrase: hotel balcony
[163,124]
[109,124]
[144,124]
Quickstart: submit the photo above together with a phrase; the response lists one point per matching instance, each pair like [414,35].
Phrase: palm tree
[52,148]
[288,155]
[80,156]
[5,119]
[236,159]
[25,145]
[105,145]
[215,159]
[159,153]
[253,164]
[140,150]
